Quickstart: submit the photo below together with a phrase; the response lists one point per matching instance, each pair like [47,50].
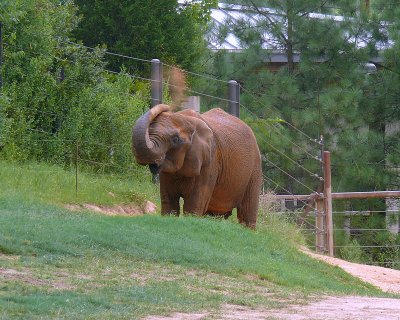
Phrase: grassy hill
[55,263]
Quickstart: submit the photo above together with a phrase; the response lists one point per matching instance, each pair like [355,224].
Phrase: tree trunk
[289,40]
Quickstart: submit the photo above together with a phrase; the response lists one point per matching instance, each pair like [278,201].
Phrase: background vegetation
[325,89]
[145,29]
[58,102]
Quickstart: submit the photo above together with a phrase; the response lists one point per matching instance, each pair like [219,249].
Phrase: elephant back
[235,138]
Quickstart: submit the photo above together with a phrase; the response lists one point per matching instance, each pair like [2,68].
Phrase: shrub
[57,96]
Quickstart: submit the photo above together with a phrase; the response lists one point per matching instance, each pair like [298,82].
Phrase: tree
[319,88]
[383,99]
[56,95]
[146,29]
[328,91]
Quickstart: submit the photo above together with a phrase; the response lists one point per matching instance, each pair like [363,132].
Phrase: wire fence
[80,156]
[299,176]
[369,236]
[318,142]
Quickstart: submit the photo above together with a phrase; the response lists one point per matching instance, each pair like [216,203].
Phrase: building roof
[226,15]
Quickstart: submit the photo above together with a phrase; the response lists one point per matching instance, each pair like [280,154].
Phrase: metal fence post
[1,55]
[328,202]
[156,98]
[156,82]
[234,98]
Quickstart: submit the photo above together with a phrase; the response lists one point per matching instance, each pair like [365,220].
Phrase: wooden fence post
[328,202]
[319,226]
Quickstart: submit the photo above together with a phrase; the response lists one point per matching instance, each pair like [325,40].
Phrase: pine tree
[383,100]
[332,90]
[319,89]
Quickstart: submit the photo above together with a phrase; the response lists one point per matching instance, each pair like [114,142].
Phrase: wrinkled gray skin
[212,161]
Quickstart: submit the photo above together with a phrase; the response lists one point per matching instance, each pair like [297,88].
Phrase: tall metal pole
[328,201]
[322,150]
[156,98]
[234,98]
[156,82]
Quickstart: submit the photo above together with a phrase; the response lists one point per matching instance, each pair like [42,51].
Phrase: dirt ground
[324,308]
[328,308]
[117,210]
[388,280]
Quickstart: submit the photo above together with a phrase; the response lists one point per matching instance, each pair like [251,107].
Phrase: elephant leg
[197,202]
[170,205]
[198,197]
[169,197]
[247,211]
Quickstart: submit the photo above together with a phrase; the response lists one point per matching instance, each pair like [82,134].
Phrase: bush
[353,252]
[58,103]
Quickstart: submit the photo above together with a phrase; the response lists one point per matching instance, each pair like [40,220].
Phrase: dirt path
[387,280]
[329,308]
[325,308]
[334,308]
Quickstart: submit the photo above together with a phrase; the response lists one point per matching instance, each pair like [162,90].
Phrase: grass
[60,264]
[52,184]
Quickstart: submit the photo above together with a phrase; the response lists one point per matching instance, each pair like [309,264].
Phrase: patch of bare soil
[341,308]
[388,280]
[26,277]
[125,210]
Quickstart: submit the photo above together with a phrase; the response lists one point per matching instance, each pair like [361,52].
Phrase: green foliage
[313,95]
[327,93]
[146,29]
[58,104]
[353,252]
[371,247]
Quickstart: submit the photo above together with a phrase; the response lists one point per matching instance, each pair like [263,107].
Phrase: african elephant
[210,160]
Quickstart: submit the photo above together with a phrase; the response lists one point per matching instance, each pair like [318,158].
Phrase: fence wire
[107,52]
[307,220]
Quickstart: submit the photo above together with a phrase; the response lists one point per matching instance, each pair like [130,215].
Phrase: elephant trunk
[145,150]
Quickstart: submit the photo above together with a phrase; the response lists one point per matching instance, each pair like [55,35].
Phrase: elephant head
[173,142]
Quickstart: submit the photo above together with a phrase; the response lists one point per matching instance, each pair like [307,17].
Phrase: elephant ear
[199,153]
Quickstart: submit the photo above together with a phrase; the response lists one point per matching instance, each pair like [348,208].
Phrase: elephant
[211,160]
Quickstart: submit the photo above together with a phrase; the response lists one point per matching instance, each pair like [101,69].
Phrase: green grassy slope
[58,263]
[50,183]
